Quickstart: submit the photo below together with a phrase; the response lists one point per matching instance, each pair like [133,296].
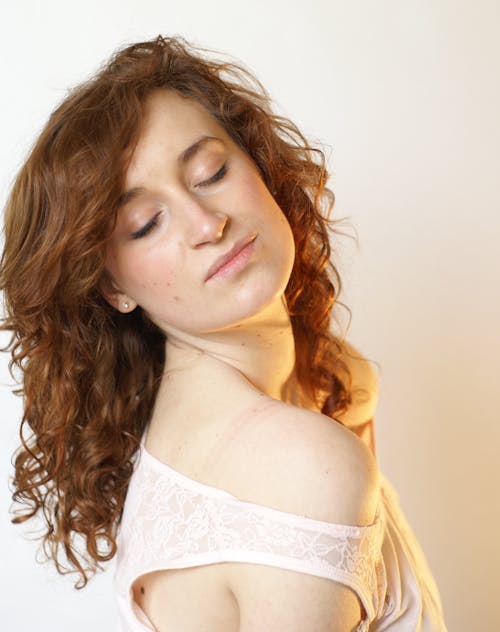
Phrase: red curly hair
[88,393]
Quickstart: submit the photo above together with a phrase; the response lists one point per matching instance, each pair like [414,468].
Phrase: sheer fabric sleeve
[171,521]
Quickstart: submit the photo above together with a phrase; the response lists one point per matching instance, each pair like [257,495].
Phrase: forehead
[171,123]
[175,119]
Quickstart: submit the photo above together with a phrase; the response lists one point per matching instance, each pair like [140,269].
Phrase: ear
[115,296]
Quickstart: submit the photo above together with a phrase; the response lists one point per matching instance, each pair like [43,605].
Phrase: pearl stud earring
[126,305]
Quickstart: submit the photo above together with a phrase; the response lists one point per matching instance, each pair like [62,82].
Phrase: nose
[203,224]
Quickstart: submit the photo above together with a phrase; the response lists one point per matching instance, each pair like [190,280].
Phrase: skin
[227,330]
[228,340]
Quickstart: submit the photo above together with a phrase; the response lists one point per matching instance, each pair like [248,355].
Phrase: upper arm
[275,599]
[317,469]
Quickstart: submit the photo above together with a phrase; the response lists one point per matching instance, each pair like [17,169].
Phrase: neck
[260,350]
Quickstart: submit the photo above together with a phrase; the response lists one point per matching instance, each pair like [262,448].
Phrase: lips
[223,259]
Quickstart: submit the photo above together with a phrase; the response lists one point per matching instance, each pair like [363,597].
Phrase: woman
[167,282]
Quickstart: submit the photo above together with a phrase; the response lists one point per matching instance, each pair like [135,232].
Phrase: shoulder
[305,463]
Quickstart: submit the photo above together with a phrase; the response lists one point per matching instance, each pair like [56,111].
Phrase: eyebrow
[188,154]
[193,149]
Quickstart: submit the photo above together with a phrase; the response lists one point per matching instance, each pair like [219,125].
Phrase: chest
[193,599]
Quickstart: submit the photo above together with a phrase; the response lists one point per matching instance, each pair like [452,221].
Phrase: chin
[267,299]
[243,311]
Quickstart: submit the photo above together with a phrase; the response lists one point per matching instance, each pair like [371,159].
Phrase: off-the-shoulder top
[173,521]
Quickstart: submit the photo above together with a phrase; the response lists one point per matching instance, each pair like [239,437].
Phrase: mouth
[234,258]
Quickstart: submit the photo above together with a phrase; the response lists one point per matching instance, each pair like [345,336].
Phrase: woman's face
[190,195]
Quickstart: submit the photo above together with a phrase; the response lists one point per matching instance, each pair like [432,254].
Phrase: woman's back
[230,436]
[213,425]
[255,520]
[276,456]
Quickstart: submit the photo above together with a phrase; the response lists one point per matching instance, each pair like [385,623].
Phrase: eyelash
[217,176]
[142,232]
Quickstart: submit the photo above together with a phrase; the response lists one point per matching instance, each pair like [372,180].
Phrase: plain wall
[405,96]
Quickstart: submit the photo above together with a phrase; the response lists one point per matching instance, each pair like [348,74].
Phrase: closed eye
[217,176]
[147,227]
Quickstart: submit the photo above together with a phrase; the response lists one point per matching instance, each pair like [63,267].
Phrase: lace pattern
[173,521]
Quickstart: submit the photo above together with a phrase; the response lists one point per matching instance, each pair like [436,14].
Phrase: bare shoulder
[306,463]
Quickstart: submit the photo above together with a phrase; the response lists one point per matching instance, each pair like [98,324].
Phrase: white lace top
[173,521]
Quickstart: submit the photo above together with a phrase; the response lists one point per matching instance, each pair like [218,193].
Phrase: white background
[406,98]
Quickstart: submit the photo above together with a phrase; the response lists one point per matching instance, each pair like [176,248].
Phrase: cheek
[261,205]
[252,188]
[165,291]
[153,276]
[142,275]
